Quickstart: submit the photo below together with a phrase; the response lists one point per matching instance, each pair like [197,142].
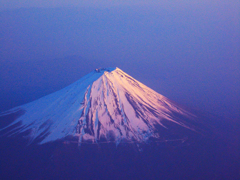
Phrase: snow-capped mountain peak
[106,105]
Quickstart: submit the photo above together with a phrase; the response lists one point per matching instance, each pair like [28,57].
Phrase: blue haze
[188,52]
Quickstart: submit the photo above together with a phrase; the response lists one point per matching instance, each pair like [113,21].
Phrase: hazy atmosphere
[186,50]
[108,125]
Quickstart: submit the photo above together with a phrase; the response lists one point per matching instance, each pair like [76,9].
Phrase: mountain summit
[106,105]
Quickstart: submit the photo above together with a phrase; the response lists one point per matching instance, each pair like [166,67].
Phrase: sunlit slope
[107,105]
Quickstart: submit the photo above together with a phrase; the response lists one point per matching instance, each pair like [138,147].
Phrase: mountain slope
[107,105]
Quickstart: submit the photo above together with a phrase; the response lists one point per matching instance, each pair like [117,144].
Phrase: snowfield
[106,105]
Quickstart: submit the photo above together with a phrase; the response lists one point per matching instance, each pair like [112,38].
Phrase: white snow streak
[107,104]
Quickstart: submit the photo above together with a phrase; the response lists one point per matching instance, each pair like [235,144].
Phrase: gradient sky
[186,50]
[4,4]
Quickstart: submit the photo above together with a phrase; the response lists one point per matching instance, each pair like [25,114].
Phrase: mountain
[106,105]
[125,129]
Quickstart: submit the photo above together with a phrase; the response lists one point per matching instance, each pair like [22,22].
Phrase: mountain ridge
[105,105]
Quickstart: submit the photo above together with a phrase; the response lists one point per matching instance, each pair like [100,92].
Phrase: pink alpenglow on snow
[106,105]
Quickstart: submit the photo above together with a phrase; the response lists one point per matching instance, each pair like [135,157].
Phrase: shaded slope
[107,105]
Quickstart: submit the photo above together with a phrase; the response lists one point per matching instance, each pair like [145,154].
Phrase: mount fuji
[106,105]
[107,125]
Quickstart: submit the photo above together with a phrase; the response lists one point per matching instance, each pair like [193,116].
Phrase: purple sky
[111,3]
[185,50]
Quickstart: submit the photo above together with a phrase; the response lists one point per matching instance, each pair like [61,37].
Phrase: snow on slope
[105,105]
